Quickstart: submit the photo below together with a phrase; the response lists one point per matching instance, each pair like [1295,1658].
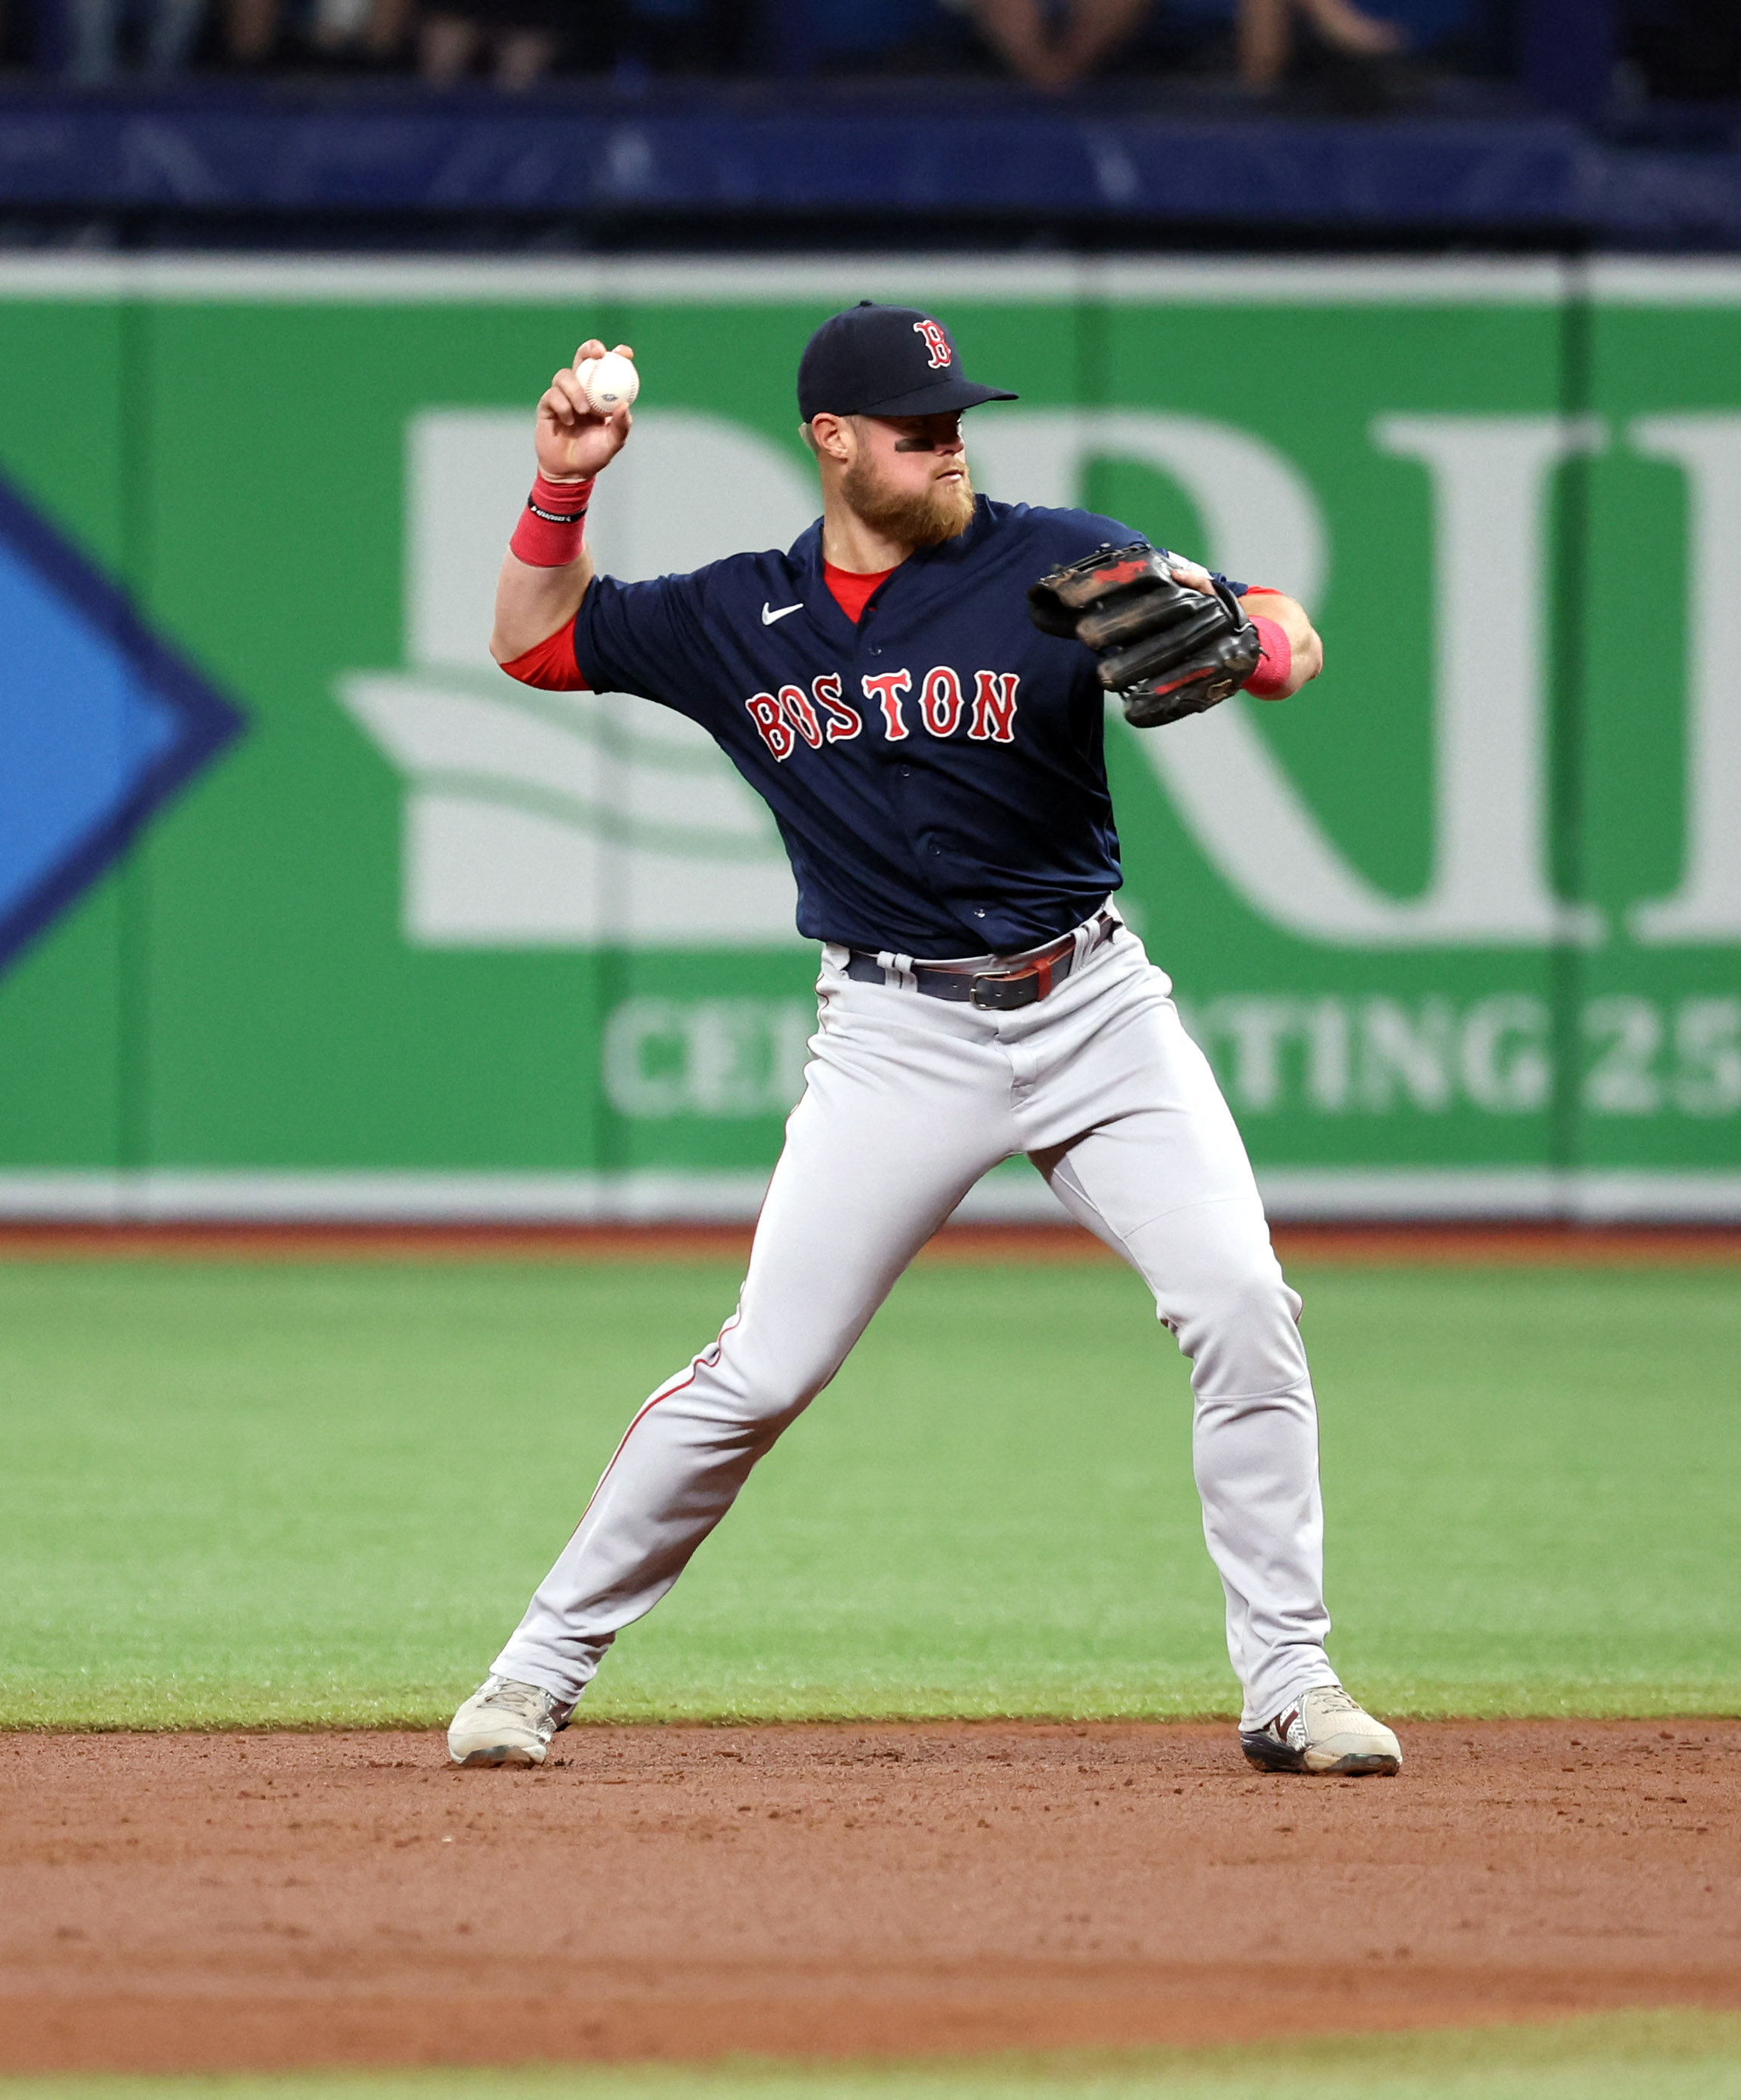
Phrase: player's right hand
[574,441]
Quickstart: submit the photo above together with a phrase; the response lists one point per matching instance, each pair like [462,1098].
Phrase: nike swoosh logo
[769,617]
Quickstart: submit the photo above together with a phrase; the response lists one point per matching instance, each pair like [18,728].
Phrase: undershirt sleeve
[550,664]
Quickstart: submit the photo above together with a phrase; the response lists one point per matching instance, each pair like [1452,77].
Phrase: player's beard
[924,519]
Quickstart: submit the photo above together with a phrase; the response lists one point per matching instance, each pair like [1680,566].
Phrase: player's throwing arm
[583,423]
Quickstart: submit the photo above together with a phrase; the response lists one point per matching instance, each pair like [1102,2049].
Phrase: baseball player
[917,688]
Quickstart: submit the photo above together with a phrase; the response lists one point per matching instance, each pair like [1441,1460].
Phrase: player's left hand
[573,442]
[1169,639]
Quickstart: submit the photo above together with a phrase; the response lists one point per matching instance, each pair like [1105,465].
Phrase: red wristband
[552,524]
[1269,682]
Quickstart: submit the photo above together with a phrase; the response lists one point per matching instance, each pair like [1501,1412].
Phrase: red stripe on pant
[710,1356]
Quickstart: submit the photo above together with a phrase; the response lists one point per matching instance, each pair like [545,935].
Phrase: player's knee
[1239,1326]
[772,1387]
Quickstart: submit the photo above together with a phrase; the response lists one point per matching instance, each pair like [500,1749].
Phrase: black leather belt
[1013,982]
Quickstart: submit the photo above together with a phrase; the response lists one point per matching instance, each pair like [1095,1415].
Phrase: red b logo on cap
[936,342]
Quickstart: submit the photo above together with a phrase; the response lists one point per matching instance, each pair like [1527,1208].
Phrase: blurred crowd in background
[1349,55]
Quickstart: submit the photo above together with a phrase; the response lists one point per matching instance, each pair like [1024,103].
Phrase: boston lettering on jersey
[936,770]
[822,716]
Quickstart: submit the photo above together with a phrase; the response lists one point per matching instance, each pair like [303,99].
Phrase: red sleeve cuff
[550,665]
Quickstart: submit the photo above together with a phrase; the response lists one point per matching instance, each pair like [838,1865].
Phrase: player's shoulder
[739,576]
[1060,535]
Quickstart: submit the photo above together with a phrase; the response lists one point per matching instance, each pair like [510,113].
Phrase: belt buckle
[1003,991]
[1004,995]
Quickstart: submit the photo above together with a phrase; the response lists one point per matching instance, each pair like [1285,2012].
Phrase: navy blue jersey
[936,771]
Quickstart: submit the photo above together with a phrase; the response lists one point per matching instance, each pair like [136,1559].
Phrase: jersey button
[906,772]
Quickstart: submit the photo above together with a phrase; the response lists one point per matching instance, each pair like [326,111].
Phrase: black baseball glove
[1167,649]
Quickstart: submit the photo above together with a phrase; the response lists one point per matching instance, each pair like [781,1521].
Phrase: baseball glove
[1170,641]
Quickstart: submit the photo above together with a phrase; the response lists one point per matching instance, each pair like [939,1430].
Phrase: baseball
[609,382]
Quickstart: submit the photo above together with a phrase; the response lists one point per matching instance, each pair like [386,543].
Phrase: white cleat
[1325,1730]
[506,1722]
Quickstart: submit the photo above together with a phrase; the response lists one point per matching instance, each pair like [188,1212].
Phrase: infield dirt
[238,1902]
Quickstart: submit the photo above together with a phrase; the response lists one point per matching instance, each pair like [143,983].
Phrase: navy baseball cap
[876,360]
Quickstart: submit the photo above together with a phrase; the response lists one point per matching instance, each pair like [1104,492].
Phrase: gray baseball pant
[909,1100]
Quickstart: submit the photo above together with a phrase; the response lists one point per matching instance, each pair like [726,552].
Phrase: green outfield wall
[1461,926]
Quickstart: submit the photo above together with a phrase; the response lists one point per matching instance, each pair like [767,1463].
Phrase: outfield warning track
[1354,1245]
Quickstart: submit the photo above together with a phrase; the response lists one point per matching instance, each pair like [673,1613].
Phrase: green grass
[1628,2056]
[253,1494]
